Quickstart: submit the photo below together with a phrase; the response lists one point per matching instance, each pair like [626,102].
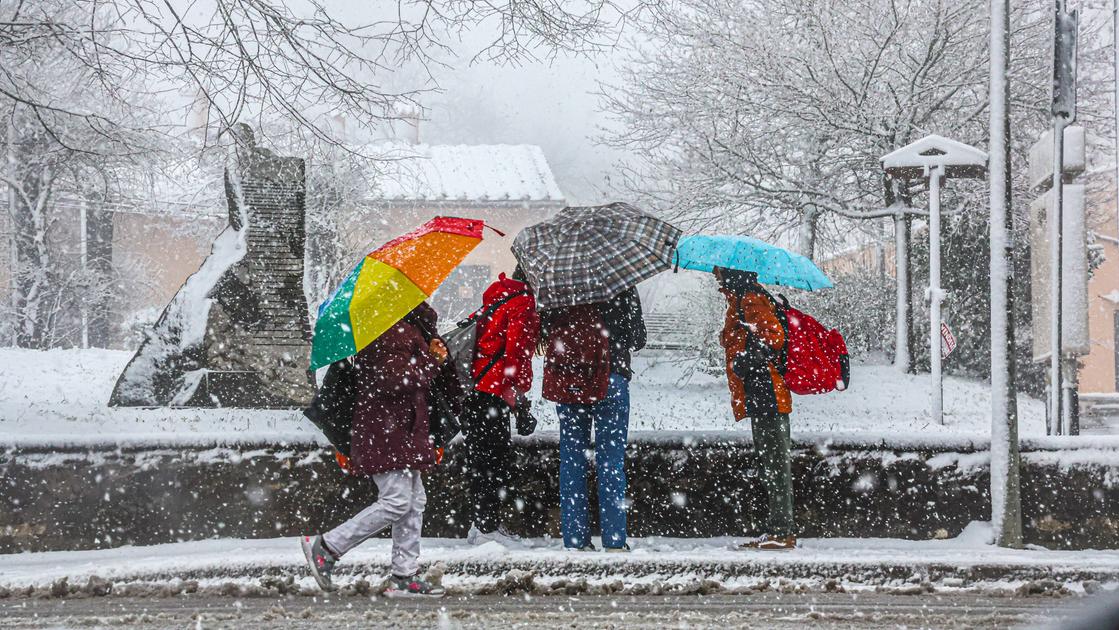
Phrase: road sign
[947,341]
[1074,267]
[1041,157]
[1064,63]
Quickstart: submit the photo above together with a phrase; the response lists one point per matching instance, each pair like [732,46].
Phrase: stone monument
[237,332]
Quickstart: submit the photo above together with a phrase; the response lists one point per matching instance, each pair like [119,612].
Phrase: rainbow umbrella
[388,283]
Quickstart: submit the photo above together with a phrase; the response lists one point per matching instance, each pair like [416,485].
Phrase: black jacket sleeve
[636,320]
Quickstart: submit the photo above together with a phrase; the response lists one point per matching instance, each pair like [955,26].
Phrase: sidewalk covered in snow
[657,565]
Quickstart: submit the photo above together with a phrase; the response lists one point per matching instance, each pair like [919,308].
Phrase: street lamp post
[935,158]
[1064,113]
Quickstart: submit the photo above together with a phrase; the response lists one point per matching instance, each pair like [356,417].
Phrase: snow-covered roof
[483,172]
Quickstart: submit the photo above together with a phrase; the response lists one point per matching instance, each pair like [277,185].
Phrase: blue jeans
[610,418]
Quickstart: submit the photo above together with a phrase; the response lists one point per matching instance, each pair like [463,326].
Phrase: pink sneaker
[412,587]
[319,560]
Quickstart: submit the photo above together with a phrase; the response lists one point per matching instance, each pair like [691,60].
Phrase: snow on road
[767,610]
[58,398]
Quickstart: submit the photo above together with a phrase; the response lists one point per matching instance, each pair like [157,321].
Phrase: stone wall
[108,498]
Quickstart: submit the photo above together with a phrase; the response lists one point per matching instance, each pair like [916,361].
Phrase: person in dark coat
[754,338]
[502,371]
[390,444]
[587,372]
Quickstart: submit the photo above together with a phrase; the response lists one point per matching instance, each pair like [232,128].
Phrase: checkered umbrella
[587,255]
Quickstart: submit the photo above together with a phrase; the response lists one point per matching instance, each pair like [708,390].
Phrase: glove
[844,372]
[526,422]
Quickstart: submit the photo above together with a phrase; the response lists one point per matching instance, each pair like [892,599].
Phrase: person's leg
[407,531]
[488,447]
[611,431]
[771,444]
[575,441]
[394,496]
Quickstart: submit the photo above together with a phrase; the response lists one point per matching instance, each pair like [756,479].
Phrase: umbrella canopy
[388,283]
[588,255]
[774,265]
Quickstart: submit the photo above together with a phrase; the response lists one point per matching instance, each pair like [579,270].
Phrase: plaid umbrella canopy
[591,254]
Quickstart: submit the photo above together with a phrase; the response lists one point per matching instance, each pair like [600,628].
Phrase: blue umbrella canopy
[774,265]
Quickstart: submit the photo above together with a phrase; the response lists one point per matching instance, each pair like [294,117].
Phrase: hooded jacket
[392,381]
[753,313]
[510,335]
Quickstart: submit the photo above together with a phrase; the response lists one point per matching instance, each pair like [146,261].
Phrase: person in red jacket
[502,373]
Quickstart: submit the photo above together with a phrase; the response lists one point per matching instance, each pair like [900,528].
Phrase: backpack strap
[783,319]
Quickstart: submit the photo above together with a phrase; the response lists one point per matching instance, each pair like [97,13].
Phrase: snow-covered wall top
[491,172]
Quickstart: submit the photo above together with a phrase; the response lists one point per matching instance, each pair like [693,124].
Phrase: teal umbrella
[774,265]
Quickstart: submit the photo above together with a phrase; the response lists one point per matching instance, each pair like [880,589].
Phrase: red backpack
[576,356]
[817,361]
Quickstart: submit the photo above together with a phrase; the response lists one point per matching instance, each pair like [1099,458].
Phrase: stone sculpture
[237,333]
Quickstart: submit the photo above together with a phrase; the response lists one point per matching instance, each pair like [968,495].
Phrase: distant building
[149,249]
[874,257]
[140,255]
[1099,371]
[507,186]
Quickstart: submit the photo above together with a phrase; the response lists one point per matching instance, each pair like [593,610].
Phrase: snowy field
[58,398]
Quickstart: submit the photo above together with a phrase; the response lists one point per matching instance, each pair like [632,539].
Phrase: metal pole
[13,239]
[901,273]
[1115,72]
[1056,389]
[1072,396]
[1006,510]
[935,175]
[84,227]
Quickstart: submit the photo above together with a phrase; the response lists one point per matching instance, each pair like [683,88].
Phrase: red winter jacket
[514,327]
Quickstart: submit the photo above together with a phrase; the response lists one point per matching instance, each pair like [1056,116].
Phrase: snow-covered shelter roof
[955,158]
[484,172]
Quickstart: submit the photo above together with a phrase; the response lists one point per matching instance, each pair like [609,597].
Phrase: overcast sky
[551,104]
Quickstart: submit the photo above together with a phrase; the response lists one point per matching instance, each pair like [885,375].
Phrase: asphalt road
[761,610]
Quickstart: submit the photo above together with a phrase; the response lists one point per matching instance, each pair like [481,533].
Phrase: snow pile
[59,398]
[181,327]
[880,402]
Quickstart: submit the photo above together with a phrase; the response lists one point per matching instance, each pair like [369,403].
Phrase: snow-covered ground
[58,398]
[860,563]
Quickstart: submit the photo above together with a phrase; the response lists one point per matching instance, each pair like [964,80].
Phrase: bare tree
[241,60]
[50,152]
[771,116]
[94,93]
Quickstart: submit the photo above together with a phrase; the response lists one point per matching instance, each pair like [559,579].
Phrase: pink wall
[1097,372]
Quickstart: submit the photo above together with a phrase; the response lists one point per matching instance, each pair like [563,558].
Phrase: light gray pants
[400,504]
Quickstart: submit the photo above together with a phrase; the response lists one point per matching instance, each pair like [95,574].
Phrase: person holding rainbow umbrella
[379,316]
